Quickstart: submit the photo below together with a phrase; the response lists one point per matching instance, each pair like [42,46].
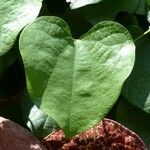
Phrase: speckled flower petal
[108,135]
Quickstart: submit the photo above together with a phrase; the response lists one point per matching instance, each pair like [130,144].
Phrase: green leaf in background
[142,7]
[75,81]
[135,119]
[80,3]
[108,9]
[126,19]
[14,16]
[137,87]
[148,2]
[39,123]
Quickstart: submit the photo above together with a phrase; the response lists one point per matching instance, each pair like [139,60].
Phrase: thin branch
[141,36]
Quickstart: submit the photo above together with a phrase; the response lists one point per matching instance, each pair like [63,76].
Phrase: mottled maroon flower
[106,135]
[15,137]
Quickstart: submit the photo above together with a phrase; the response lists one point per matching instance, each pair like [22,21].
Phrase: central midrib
[72,85]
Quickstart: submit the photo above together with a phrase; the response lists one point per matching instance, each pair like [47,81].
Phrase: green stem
[148,31]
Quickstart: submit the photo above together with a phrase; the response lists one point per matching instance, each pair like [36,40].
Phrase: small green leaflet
[80,3]
[148,16]
[148,13]
[75,81]
[39,123]
[15,14]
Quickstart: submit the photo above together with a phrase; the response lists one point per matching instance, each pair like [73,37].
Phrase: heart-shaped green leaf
[15,14]
[75,81]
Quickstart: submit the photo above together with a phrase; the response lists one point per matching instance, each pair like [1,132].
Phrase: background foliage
[133,106]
